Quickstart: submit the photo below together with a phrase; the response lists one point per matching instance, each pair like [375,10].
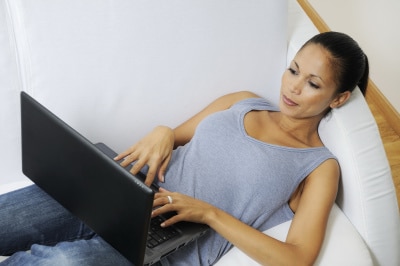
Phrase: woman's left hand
[187,208]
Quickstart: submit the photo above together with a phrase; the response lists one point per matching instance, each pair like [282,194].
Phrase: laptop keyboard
[158,234]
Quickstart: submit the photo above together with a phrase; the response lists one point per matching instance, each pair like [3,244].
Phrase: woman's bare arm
[185,131]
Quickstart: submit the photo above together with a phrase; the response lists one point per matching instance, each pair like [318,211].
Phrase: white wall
[375,25]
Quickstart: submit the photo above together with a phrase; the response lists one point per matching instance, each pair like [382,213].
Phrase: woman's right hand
[154,150]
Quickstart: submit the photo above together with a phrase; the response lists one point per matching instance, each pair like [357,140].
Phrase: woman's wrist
[167,132]
[211,217]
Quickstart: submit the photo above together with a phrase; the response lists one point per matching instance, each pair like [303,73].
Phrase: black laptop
[85,179]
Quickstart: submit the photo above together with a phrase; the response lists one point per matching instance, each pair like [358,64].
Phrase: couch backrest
[115,69]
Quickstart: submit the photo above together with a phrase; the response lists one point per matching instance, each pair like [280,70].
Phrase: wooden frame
[373,95]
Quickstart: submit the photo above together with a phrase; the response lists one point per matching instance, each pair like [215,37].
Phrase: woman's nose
[295,86]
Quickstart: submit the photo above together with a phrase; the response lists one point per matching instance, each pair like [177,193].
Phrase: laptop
[84,178]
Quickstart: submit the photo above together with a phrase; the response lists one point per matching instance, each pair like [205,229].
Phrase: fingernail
[162,179]
[162,224]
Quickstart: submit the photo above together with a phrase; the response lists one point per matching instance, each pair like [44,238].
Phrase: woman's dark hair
[349,62]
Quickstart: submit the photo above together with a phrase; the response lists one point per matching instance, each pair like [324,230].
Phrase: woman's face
[308,87]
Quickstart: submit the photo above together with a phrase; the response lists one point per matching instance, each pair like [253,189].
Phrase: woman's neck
[302,130]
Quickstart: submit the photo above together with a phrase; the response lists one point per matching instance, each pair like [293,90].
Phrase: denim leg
[29,216]
[31,219]
[94,252]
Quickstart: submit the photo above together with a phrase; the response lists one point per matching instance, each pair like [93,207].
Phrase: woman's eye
[315,86]
[292,71]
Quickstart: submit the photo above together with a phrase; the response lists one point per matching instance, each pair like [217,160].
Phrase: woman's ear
[340,99]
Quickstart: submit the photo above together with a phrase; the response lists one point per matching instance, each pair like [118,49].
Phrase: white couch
[113,69]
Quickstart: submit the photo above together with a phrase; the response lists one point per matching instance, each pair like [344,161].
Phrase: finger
[136,168]
[163,194]
[124,153]
[157,203]
[163,190]
[163,169]
[149,178]
[162,199]
[151,173]
[159,194]
[171,221]
[130,158]
[162,206]
[120,156]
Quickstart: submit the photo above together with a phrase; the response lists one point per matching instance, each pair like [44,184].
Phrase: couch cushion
[342,245]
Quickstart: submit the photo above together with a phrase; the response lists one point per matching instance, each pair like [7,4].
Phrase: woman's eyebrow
[316,76]
[312,75]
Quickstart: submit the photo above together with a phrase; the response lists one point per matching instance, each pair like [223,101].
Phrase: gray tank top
[250,179]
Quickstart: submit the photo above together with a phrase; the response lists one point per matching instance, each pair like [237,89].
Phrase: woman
[241,166]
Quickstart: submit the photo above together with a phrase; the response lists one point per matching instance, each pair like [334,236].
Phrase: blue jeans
[30,219]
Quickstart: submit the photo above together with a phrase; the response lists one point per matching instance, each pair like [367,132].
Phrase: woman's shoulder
[251,100]
[235,97]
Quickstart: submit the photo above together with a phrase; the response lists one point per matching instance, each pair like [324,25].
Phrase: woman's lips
[287,101]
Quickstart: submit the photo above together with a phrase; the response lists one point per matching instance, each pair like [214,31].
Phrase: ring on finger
[170,199]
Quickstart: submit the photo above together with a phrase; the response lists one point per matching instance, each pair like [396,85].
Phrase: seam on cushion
[21,44]
[357,172]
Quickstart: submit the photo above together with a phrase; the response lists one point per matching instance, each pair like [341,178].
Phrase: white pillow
[342,245]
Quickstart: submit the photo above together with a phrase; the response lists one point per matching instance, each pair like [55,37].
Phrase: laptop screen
[110,200]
